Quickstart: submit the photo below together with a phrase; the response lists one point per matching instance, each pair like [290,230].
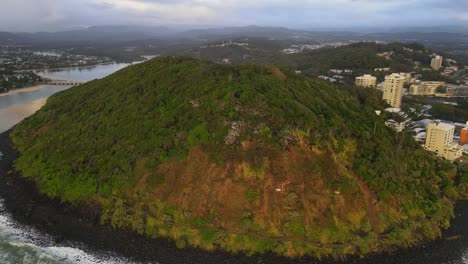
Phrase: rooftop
[395,76]
[445,126]
[393,110]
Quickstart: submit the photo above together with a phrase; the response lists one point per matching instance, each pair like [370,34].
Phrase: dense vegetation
[454,113]
[246,158]
[12,80]
[462,180]
[360,57]
[364,57]
[251,50]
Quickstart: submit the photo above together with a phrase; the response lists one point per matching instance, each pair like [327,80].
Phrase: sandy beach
[12,115]
[25,110]
[22,90]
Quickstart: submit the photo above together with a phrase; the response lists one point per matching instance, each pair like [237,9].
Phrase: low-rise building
[382,69]
[398,126]
[457,91]
[337,71]
[366,80]
[398,121]
[387,55]
[452,152]
[326,78]
[453,68]
[425,88]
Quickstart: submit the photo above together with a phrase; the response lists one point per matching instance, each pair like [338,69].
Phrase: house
[398,126]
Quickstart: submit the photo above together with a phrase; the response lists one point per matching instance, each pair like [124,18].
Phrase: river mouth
[67,225]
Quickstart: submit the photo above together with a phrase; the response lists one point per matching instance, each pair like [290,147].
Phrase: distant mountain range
[92,34]
[112,34]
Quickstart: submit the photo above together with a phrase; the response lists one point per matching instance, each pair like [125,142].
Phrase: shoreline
[68,223]
[25,89]
[27,109]
[77,67]
[68,68]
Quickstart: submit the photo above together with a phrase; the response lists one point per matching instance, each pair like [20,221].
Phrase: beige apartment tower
[366,80]
[439,139]
[439,136]
[436,62]
[393,89]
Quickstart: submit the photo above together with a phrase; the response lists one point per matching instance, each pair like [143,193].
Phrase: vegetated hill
[239,50]
[362,57]
[7,38]
[249,31]
[245,158]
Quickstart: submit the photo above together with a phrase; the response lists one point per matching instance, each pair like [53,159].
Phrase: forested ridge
[360,57]
[245,158]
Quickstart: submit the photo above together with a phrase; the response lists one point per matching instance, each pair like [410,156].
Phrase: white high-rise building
[393,89]
[366,80]
[436,62]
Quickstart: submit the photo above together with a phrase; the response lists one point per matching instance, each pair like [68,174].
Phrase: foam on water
[20,244]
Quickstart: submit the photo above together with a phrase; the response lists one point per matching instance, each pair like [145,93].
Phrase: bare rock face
[232,137]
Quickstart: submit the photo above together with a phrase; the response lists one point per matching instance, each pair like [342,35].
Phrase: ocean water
[22,244]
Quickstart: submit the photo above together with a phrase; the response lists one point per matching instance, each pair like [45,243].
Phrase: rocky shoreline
[66,223]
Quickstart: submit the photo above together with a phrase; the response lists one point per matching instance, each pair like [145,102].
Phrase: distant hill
[248,31]
[422,37]
[7,38]
[243,158]
[124,33]
[109,34]
[98,34]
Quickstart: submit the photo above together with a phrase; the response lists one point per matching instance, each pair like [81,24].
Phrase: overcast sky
[53,15]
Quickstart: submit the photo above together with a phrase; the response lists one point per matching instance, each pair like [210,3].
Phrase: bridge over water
[64,82]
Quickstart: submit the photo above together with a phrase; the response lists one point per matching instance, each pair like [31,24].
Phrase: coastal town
[25,58]
[298,48]
[446,138]
[18,65]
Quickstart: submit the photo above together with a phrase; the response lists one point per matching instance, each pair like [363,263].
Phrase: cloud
[32,15]
[168,10]
[463,16]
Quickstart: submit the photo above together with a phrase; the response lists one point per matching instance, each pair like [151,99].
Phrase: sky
[56,15]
